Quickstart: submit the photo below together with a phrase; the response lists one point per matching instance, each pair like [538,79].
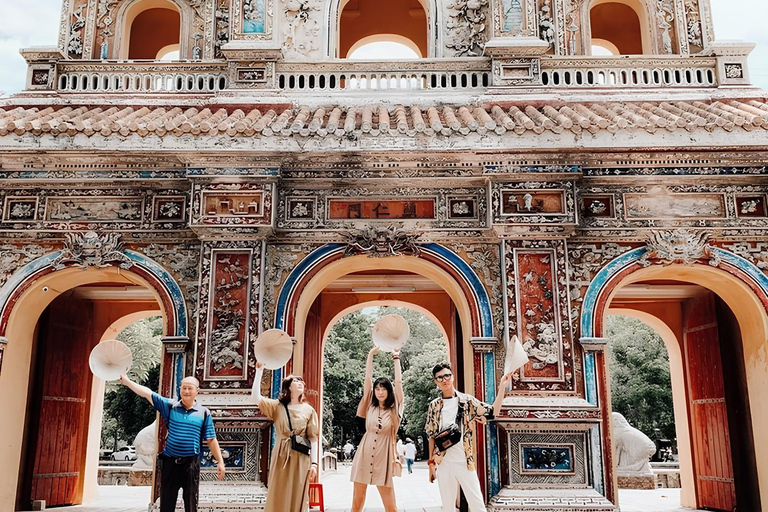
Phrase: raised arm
[500,392]
[368,382]
[140,390]
[256,389]
[399,395]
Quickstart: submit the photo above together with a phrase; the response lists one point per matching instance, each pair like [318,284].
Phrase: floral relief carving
[693,19]
[538,303]
[301,28]
[13,257]
[665,13]
[75,40]
[466,27]
[222,27]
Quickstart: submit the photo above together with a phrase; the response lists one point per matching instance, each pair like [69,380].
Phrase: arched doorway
[50,327]
[620,27]
[436,280]
[356,22]
[150,29]
[722,338]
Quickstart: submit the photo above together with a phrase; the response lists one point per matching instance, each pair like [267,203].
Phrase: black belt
[180,460]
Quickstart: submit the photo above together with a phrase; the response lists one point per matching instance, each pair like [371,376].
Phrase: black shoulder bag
[451,435]
[299,443]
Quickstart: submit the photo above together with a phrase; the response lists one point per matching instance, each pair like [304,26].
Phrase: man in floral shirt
[456,465]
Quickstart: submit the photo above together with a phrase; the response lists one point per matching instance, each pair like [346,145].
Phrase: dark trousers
[179,473]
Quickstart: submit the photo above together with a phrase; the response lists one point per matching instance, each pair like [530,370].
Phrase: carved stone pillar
[597,391]
[484,362]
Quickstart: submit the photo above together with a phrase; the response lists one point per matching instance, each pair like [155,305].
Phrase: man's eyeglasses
[441,378]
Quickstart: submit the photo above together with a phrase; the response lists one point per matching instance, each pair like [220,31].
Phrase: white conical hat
[516,356]
[110,359]
[274,348]
[390,333]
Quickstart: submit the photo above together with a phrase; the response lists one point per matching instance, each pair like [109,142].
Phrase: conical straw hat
[274,348]
[390,333]
[110,359]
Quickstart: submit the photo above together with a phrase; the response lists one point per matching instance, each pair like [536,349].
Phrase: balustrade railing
[635,72]
[351,76]
[142,77]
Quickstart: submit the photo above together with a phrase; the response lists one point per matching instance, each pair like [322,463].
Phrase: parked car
[105,454]
[124,453]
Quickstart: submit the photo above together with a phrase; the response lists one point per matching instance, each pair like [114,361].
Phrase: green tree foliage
[143,338]
[125,414]
[346,351]
[641,388]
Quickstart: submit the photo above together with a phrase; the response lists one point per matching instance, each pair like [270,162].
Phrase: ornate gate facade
[527,178]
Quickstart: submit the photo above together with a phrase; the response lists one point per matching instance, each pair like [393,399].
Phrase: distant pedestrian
[410,454]
[348,449]
[189,423]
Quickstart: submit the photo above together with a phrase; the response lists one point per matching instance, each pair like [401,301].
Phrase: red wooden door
[63,386]
[713,469]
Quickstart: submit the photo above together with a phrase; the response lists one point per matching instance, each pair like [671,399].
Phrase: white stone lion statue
[145,447]
[633,448]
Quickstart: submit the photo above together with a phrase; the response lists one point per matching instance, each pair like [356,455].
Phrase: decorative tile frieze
[547,457]
[421,209]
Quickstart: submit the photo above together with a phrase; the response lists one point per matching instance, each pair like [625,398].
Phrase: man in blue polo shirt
[189,423]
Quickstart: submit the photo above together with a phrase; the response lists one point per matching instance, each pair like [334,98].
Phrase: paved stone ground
[414,494]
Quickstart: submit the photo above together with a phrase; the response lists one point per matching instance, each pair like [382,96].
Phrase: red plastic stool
[316,496]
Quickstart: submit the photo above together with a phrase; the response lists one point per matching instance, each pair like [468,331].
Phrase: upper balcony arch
[352,23]
[168,23]
[623,27]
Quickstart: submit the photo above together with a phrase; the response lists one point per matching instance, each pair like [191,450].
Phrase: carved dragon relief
[679,246]
[91,249]
[378,242]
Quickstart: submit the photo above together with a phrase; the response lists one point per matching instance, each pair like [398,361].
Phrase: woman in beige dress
[381,406]
[290,471]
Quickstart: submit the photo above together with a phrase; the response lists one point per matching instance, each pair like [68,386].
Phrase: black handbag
[451,435]
[299,443]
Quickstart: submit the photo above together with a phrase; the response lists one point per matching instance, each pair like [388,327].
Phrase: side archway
[742,287]
[24,298]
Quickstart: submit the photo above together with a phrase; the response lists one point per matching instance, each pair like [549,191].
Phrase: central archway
[434,262]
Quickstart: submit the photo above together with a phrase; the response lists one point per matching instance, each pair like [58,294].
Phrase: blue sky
[35,22]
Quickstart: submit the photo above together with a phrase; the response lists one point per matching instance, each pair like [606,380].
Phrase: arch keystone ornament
[679,246]
[90,249]
[378,242]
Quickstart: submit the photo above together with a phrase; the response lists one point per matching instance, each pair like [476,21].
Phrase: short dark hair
[285,389]
[384,382]
[439,367]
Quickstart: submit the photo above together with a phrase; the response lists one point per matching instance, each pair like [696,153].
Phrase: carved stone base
[226,497]
[550,500]
[140,477]
[637,482]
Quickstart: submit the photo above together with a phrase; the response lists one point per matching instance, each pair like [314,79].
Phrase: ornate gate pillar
[484,363]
